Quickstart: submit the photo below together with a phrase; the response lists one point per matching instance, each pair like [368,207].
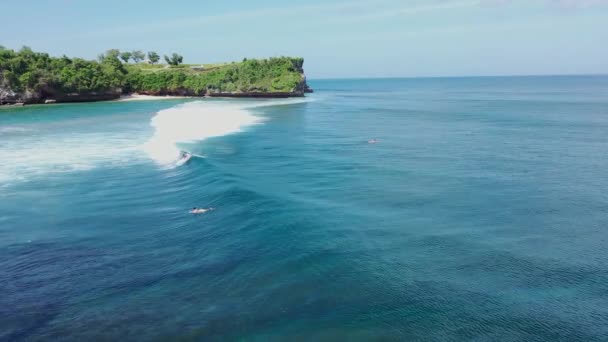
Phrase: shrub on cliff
[153,57]
[174,60]
[137,56]
[25,70]
[125,56]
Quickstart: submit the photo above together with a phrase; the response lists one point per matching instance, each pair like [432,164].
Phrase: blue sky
[337,38]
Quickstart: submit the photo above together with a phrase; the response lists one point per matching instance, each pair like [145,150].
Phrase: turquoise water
[480,214]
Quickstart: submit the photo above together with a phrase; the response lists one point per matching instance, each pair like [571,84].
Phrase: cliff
[51,95]
[31,77]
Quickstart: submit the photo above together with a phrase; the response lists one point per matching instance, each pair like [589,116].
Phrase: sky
[337,38]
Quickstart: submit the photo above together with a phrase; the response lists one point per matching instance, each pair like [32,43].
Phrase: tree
[112,53]
[137,56]
[125,56]
[178,59]
[153,57]
[112,63]
[174,60]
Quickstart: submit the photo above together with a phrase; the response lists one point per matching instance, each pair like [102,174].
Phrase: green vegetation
[125,56]
[138,56]
[153,57]
[35,76]
[282,74]
[36,72]
[113,53]
[174,60]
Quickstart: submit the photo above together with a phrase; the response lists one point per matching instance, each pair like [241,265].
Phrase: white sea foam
[34,156]
[14,129]
[277,102]
[41,149]
[36,149]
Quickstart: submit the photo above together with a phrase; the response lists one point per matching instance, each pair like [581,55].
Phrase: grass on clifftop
[186,67]
[281,74]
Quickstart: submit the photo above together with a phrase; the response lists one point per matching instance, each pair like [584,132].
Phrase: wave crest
[194,121]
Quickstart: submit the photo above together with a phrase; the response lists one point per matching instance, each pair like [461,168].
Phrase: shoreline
[144,97]
[140,97]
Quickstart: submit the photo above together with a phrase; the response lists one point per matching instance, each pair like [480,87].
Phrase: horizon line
[460,76]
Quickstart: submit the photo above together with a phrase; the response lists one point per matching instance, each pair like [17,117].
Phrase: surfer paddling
[196,210]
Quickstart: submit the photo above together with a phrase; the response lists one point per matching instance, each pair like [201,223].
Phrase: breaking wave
[196,121]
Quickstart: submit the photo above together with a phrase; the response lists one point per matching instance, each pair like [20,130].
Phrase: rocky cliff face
[303,87]
[8,96]
[51,95]
[299,91]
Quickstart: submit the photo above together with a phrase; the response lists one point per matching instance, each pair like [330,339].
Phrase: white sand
[137,97]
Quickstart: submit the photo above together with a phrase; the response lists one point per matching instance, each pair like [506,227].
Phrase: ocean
[479,213]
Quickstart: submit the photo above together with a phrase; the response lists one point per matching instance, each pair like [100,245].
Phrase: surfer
[372,141]
[184,158]
[196,210]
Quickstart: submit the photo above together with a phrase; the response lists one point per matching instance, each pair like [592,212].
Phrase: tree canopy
[175,59]
[138,56]
[115,53]
[38,73]
[125,56]
[153,57]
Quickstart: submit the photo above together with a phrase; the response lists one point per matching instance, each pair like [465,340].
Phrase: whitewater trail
[30,150]
[27,153]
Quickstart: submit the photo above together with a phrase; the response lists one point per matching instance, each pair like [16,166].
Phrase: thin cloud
[559,3]
[263,13]
[364,10]
[410,10]
[580,3]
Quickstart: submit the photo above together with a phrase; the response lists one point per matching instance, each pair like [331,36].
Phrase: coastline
[140,97]
[110,79]
[145,97]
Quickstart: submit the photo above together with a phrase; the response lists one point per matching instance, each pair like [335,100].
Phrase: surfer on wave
[184,158]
